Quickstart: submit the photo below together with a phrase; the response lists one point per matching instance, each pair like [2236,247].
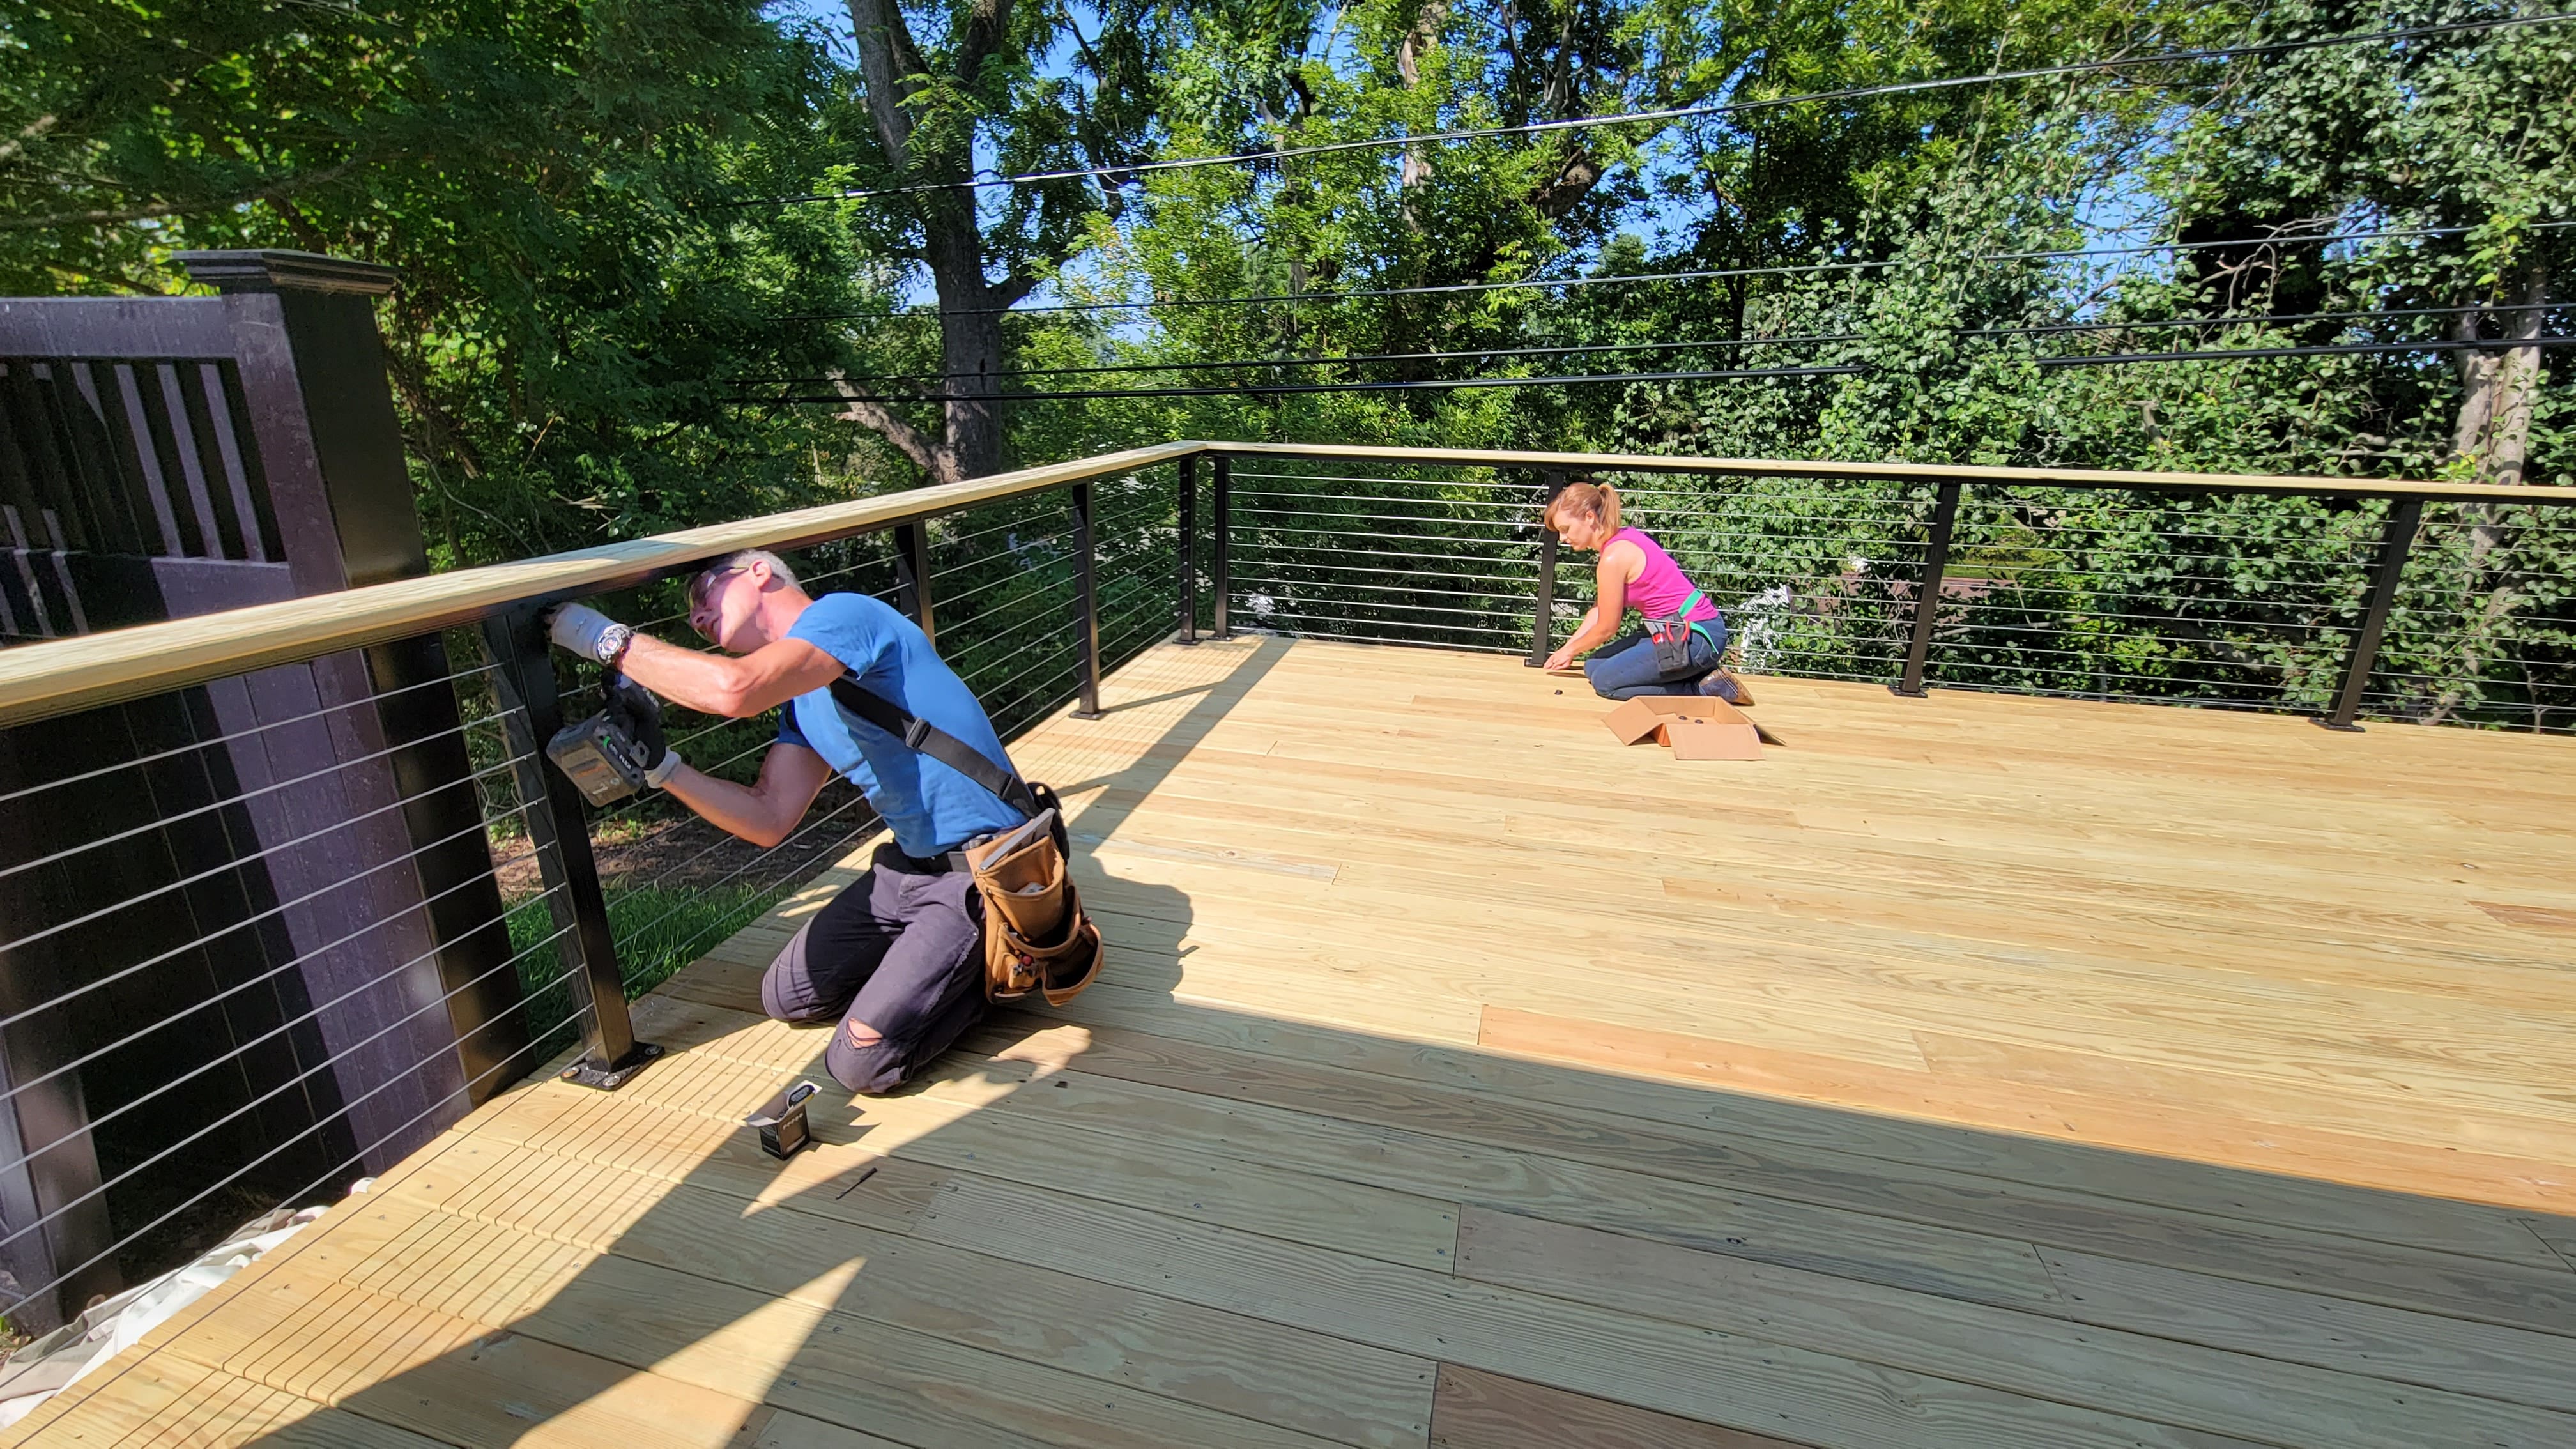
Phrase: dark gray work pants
[898,950]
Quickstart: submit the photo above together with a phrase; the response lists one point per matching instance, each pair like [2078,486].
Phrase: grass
[658,929]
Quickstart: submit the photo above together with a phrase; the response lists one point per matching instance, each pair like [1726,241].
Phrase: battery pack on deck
[782,1122]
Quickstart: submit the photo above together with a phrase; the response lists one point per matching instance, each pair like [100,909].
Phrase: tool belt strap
[920,734]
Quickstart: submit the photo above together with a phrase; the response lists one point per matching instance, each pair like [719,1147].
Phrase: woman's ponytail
[1586,499]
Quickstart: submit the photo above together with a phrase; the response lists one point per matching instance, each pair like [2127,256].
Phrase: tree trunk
[970,334]
[1416,172]
[970,303]
[2497,388]
[2493,430]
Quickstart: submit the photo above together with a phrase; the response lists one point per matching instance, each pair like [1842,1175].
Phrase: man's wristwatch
[612,643]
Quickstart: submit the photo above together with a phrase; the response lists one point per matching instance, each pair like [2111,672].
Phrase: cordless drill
[608,755]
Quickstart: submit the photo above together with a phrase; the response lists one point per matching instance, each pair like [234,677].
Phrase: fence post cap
[271,270]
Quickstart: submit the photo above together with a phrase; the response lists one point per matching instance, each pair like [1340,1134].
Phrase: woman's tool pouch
[1672,637]
[1036,936]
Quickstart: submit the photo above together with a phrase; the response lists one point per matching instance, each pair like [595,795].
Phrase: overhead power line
[1451,384]
[1679,113]
[1696,345]
[2287,238]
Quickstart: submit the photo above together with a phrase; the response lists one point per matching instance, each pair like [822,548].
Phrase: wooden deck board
[1968,1071]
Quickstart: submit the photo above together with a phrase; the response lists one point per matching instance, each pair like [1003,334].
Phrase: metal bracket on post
[1086,607]
[1927,597]
[1189,516]
[532,711]
[1220,554]
[912,573]
[1543,627]
[2396,540]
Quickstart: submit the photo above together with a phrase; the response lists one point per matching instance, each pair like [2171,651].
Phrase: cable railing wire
[855,800]
[353,1160]
[310,896]
[237,862]
[273,972]
[241,1049]
[243,734]
[129,1173]
[162,821]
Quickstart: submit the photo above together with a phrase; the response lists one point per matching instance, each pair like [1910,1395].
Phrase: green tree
[974,81]
[553,182]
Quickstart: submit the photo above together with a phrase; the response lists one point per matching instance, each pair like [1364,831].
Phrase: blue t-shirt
[929,806]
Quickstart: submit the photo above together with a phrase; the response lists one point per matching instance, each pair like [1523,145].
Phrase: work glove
[587,632]
[634,710]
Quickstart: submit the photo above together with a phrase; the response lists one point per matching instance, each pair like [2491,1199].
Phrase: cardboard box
[1692,726]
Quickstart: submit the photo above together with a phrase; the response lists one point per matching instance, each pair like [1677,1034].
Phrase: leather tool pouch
[1036,936]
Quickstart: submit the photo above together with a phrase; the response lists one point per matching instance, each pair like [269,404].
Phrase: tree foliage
[603,288]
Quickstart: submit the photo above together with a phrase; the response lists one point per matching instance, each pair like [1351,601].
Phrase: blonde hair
[743,558]
[1596,501]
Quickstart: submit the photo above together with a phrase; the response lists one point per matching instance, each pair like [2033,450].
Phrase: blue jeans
[1626,669]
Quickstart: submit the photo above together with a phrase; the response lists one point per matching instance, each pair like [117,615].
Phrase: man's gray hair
[743,558]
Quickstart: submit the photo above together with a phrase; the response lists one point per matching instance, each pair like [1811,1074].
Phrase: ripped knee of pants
[873,1069]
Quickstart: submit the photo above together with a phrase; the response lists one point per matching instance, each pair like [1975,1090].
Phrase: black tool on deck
[782,1122]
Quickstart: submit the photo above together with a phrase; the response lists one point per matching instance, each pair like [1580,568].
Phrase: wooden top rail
[60,676]
[63,675]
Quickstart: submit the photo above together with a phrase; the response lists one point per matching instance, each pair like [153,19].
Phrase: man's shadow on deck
[432,1398]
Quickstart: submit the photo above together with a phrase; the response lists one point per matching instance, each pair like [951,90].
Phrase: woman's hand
[1562,661]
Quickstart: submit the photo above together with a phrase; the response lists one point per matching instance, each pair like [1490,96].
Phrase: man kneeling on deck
[897,958]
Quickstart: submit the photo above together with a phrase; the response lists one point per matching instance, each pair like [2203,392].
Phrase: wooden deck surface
[1972,1071]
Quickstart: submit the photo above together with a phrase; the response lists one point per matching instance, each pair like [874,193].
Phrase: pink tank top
[1660,587]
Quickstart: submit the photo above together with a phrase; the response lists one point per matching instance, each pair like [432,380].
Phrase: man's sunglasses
[702,594]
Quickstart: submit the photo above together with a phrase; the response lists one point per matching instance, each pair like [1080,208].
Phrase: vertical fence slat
[1927,597]
[1543,622]
[1086,606]
[532,712]
[2395,542]
[1188,509]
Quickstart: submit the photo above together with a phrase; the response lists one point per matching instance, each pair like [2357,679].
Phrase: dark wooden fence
[291,853]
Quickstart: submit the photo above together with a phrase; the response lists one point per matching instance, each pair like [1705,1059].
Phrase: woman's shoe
[1718,684]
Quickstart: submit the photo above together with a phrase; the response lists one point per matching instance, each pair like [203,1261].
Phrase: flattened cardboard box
[1695,728]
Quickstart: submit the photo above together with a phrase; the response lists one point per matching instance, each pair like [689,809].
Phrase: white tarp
[56,1361]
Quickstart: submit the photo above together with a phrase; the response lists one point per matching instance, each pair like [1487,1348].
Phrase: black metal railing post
[1543,624]
[912,573]
[1086,606]
[1927,596]
[532,711]
[2396,540]
[1189,516]
[1220,545]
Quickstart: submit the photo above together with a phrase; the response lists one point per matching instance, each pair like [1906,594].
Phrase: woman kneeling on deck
[1635,572]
